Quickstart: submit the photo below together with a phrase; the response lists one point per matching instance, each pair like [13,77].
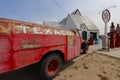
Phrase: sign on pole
[106,17]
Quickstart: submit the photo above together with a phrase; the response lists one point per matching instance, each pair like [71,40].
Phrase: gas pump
[112,28]
[117,36]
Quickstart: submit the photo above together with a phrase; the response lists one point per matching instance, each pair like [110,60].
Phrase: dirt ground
[91,67]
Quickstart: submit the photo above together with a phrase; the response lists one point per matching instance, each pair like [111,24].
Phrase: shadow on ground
[28,73]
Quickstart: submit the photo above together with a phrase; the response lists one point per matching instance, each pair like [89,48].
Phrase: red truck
[24,43]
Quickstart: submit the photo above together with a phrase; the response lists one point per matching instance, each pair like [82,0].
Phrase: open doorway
[94,35]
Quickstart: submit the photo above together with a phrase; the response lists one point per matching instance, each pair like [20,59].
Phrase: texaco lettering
[39,30]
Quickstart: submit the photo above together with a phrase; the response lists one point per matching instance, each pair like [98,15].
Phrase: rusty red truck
[25,43]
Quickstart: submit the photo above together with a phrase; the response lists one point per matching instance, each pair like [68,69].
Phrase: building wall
[89,34]
[70,24]
[76,22]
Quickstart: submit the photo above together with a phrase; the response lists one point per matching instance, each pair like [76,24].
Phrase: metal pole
[108,44]
[105,35]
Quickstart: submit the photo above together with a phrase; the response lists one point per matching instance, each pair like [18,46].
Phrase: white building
[84,24]
[76,21]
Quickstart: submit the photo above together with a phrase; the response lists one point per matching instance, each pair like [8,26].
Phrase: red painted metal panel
[70,47]
[26,57]
[30,48]
[77,46]
[31,41]
[5,53]
[73,47]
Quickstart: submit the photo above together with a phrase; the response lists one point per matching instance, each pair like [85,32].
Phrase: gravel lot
[92,67]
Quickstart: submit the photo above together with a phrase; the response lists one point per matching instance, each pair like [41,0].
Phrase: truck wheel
[85,49]
[50,66]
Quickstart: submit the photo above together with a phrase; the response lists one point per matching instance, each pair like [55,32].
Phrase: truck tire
[85,47]
[50,66]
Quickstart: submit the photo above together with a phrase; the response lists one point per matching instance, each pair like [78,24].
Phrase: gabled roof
[78,20]
[90,25]
[63,22]
[77,12]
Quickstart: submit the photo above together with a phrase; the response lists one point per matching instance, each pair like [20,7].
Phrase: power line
[108,8]
[58,5]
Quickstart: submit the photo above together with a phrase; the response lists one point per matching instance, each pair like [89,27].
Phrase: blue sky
[46,10]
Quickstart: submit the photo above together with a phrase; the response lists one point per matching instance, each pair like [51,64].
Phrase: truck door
[70,47]
[77,45]
[74,45]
